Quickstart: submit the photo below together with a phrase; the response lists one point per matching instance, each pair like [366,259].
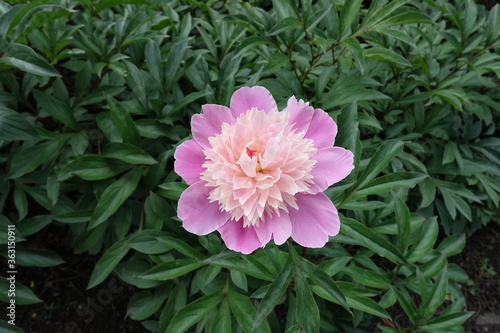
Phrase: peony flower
[256,173]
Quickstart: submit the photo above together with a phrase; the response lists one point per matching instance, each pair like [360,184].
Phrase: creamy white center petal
[257,166]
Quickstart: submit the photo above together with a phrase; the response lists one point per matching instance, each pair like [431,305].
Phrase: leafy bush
[95,96]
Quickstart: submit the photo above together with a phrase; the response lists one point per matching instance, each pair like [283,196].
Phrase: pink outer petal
[278,228]
[333,164]
[322,129]
[198,215]
[246,98]
[209,123]
[240,239]
[301,114]
[314,221]
[189,158]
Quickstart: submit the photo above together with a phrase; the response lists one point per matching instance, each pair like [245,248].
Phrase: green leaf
[56,108]
[89,238]
[74,216]
[104,4]
[14,126]
[20,201]
[307,312]
[146,241]
[354,300]
[452,245]
[455,97]
[168,111]
[363,205]
[386,55]
[427,191]
[333,266]
[153,60]
[384,154]
[28,159]
[372,240]
[108,261]
[322,279]
[194,312]
[6,21]
[182,247]
[425,241]
[172,269]
[244,312]
[377,16]
[222,319]
[284,25]
[26,256]
[114,196]
[403,222]
[92,167]
[23,295]
[127,153]
[25,59]
[123,121]
[172,190]
[239,279]
[389,182]
[433,266]
[452,320]
[347,95]
[493,25]
[367,277]
[153,210]
[175,57]
[347,15]
[406,302]
[295,329]
[9,328]
[33,224]
[276,291]
[244,267]
[144,303]
[405,16]
[437,295]
[397,34]
[356,51]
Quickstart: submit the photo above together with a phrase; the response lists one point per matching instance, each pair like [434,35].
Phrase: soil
[69,308]
[481,260]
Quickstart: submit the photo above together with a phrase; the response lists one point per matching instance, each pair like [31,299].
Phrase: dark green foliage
[95,96]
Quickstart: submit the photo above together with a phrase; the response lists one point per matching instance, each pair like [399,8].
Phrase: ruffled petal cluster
[256,173]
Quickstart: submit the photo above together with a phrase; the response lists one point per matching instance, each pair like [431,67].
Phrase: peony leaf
[171,269]
[276,291]
[307,311]
[244,312]
[403,221]
[372,240]
[425,241]
[114,196]
[194,312]
[447,321]
[14,126]
[347,15]
[322,279]
[384,154]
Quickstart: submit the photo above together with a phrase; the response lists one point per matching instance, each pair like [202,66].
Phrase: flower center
[257,165]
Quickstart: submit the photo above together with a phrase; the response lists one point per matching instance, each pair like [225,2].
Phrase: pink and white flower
[256,173]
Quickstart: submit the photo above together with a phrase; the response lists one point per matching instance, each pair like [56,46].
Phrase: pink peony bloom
[256,173]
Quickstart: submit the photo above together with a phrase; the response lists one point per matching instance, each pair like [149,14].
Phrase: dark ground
[69,308]
[481,261]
